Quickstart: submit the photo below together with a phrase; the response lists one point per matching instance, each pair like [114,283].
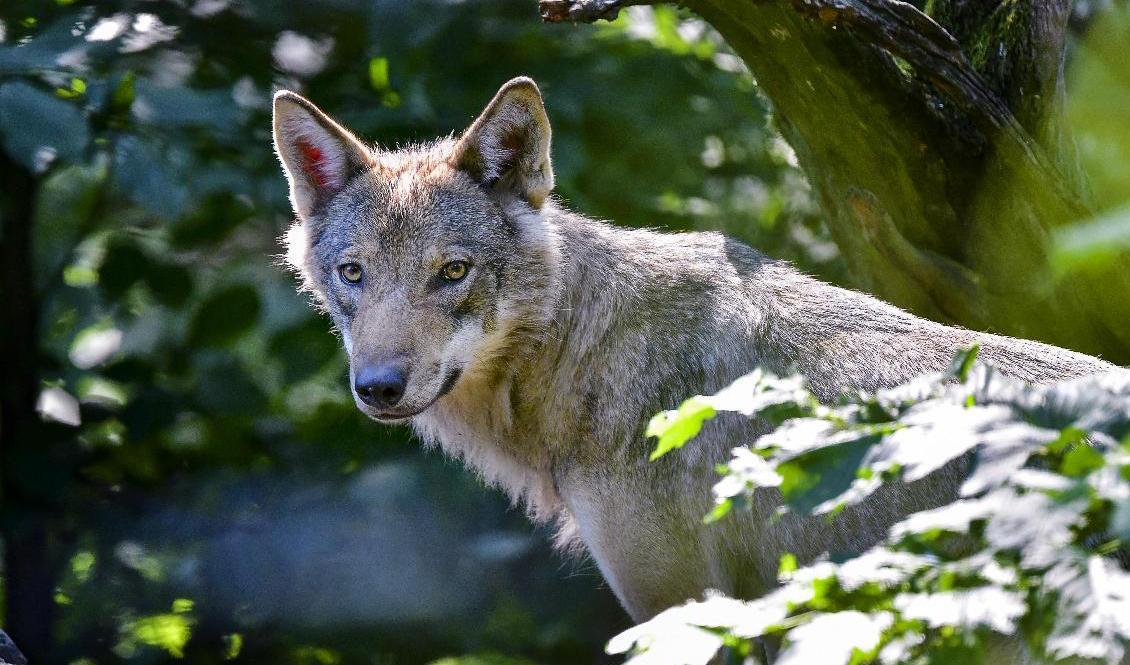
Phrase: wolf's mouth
[448,385]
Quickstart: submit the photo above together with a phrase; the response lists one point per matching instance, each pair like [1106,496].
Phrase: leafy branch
[1030,548]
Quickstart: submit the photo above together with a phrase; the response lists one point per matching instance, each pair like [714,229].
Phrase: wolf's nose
[380,386]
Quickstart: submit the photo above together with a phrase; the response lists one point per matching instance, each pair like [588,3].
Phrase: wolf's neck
[487,421]
[612,323]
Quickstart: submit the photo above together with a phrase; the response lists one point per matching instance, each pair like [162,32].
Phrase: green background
[222,497]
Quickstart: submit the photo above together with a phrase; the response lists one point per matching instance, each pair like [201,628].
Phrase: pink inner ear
[314,162]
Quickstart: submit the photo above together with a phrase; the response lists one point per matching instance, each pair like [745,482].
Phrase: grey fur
[569,334]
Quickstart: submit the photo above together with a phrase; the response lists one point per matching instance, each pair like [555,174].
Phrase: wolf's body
[543,365]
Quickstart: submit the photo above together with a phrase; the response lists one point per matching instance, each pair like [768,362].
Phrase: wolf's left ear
[508,144]
[317,154]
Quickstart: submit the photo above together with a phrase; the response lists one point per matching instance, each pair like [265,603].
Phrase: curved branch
[584,11]
[905,32]
[963,167]
[1018,49]
[902,30]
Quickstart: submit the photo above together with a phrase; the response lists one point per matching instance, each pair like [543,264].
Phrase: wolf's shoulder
[674,254]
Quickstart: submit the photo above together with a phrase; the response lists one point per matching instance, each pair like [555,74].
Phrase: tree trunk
[25,441]
[934,143]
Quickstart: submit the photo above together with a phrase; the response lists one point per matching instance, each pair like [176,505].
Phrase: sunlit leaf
[963,362]
[378,73]
[831,639]
[169,632]
[1093,620]
[56,404]
[995,608]
[233,645]
[94,346]
[674,428]
[1093,244]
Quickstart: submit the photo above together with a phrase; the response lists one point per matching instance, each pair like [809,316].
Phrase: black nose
[381,385]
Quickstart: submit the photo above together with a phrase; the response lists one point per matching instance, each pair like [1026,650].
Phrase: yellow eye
[455,271]
[350,273]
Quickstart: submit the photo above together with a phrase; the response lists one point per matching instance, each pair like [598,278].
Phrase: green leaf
[963,362]
[1081,460]
[182,606]
[224,316]
[225,387]
[65,205]
[1068,438]
[378,74]
[788,565]
[210,221]
[181,106]
[390,99]
[143,172]
[819,475]
[1092,244]
[233,644]
[720,510]
[169,632]
[124,93]
[82,564]
[76,89]
[303,349]
[674,428]
[122,267]
[38,128]
[170,284]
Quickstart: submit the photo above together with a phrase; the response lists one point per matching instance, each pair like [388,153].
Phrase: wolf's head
[434,260]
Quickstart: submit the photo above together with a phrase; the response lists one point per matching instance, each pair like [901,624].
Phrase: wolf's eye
[454,271]
[350,273]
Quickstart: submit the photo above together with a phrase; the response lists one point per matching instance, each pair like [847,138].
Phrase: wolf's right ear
[508,144]
[317,154]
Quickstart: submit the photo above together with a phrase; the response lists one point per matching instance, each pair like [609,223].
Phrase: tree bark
[935,145]
[24,439]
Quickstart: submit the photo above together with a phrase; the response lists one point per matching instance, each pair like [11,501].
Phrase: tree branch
[929,49]
[937,157]
[903,31]
[584,11]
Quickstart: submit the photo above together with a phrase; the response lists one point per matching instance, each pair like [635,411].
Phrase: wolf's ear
[318,155]
[508,144]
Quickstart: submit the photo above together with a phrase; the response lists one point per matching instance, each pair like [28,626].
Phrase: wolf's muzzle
[381,385]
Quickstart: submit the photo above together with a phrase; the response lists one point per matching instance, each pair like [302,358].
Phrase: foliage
[1027,548]
[1099,80]
[169,631]
[200,440]
[198,443]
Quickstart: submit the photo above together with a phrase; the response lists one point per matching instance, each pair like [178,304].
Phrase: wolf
[535,343]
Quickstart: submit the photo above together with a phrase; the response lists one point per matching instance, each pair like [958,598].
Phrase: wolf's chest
[478,427]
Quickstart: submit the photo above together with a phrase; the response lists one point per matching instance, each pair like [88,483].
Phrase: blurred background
[202,486]
[198,484]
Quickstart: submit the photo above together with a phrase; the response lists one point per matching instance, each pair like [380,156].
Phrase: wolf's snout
[381,385]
